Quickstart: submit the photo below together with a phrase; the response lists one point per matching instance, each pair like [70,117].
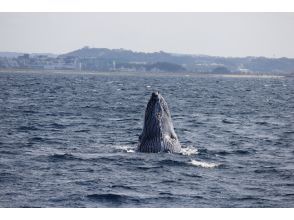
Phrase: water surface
[68,140]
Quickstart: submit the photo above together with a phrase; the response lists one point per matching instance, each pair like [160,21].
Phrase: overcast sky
[220,34]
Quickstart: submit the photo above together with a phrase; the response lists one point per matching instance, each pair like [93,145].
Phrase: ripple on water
[170,162]
[111,198]
[62,157]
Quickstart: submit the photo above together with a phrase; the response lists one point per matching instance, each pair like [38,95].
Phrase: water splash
[126,148]
[190,150]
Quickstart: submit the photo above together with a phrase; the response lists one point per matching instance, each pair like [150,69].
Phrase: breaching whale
[158,133]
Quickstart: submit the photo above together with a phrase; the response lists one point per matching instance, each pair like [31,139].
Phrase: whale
[158,133]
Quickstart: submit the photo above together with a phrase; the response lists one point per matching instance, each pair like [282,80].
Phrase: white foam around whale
[203,164]
[187,151]
[126,148]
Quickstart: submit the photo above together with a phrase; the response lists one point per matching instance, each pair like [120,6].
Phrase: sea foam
[203,164]
[187,151]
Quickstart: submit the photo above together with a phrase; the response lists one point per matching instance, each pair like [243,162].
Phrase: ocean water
[69,140]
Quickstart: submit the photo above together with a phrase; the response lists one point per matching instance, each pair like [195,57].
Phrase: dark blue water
[68,140]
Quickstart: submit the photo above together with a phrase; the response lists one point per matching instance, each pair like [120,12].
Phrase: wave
[57,126]
[234,152]
[242,152]
[7,152]
[8,177]
[203,164]
[61,157]
[266,170]
[226,121]
[172,162]
[148,167]
[122,187]
[191,175]
[27,128]
[110,197]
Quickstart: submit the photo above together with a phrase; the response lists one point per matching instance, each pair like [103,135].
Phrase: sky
[216,34]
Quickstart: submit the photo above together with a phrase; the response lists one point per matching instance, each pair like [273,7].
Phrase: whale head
[158,133]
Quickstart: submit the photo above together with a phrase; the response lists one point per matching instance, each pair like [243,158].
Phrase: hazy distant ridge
[103,59]
[195,63]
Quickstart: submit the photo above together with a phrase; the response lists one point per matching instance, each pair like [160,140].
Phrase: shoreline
[184,74]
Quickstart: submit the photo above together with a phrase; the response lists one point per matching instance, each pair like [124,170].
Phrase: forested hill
[194,63]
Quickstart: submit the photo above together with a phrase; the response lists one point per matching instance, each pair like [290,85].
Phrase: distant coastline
[121,60]
[183,74]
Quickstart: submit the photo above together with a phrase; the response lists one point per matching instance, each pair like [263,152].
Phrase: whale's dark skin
[158,134]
